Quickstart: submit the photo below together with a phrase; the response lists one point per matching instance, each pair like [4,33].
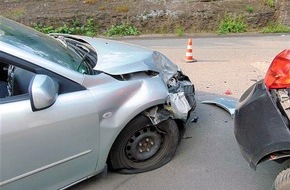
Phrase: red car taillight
[278,74]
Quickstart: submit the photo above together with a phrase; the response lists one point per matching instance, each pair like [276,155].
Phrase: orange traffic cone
[189,52]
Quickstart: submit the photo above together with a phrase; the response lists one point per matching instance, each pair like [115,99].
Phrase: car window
[39,44]
[3,80]
[14,80]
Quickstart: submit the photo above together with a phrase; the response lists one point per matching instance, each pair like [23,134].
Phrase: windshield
[72,56]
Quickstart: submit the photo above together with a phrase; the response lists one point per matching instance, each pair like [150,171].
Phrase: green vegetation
[231,24]
[270,3]
[122,30]
[179,30]
[276,28]
[249,8]
[89,29]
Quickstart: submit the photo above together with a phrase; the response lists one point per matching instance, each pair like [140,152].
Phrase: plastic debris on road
[226,104]
[228,92]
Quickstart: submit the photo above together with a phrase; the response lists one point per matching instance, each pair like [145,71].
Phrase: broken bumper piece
[180,106]
[261,129]
[228,105]
[182,101]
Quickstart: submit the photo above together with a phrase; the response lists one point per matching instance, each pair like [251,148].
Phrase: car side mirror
[43,92]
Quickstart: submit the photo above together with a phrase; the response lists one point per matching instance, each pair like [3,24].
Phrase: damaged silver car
[71,105]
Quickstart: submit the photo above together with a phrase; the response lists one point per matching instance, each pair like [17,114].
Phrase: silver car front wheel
[142,147]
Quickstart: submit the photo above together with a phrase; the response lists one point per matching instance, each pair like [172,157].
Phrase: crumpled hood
[121,58]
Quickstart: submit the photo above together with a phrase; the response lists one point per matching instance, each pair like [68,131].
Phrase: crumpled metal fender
[121,102]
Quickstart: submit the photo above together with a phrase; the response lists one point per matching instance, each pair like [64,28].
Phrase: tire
[141,147]
[282,181]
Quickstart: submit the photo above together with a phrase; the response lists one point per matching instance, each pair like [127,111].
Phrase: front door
[49,148]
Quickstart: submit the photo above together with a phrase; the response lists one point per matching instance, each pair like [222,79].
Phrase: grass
[276,28]
[232,24]
[88,29]
[122,30]
[249,8]
[179,30]
[76,27]
[270,3]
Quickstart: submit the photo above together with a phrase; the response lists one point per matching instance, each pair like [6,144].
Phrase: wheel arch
[179,122]
[277,156]
[107,142]
[147,157]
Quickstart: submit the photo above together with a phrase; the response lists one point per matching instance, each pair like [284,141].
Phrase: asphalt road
[208,157]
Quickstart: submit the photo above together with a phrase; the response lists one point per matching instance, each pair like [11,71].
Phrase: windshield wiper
[82,49]
[62,41]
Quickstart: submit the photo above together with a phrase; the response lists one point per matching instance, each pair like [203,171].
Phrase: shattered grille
[188,89]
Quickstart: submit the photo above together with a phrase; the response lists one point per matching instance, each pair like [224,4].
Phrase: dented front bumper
[261,127]
[182,100]
[179,104]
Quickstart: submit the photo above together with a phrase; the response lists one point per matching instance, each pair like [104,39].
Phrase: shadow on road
[207,158]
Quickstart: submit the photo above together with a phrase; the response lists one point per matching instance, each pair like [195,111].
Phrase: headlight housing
[166,67]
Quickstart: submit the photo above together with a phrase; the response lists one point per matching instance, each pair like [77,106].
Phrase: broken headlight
[166,67]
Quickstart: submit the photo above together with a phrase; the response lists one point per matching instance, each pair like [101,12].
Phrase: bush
[270,3]
[179,30]
[232,24]
[249,8]
[122,30]
[276,28]
[89,29]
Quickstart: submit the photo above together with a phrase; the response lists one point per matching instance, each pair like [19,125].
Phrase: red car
[262,119]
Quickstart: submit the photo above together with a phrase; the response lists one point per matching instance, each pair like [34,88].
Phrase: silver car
[72,107]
